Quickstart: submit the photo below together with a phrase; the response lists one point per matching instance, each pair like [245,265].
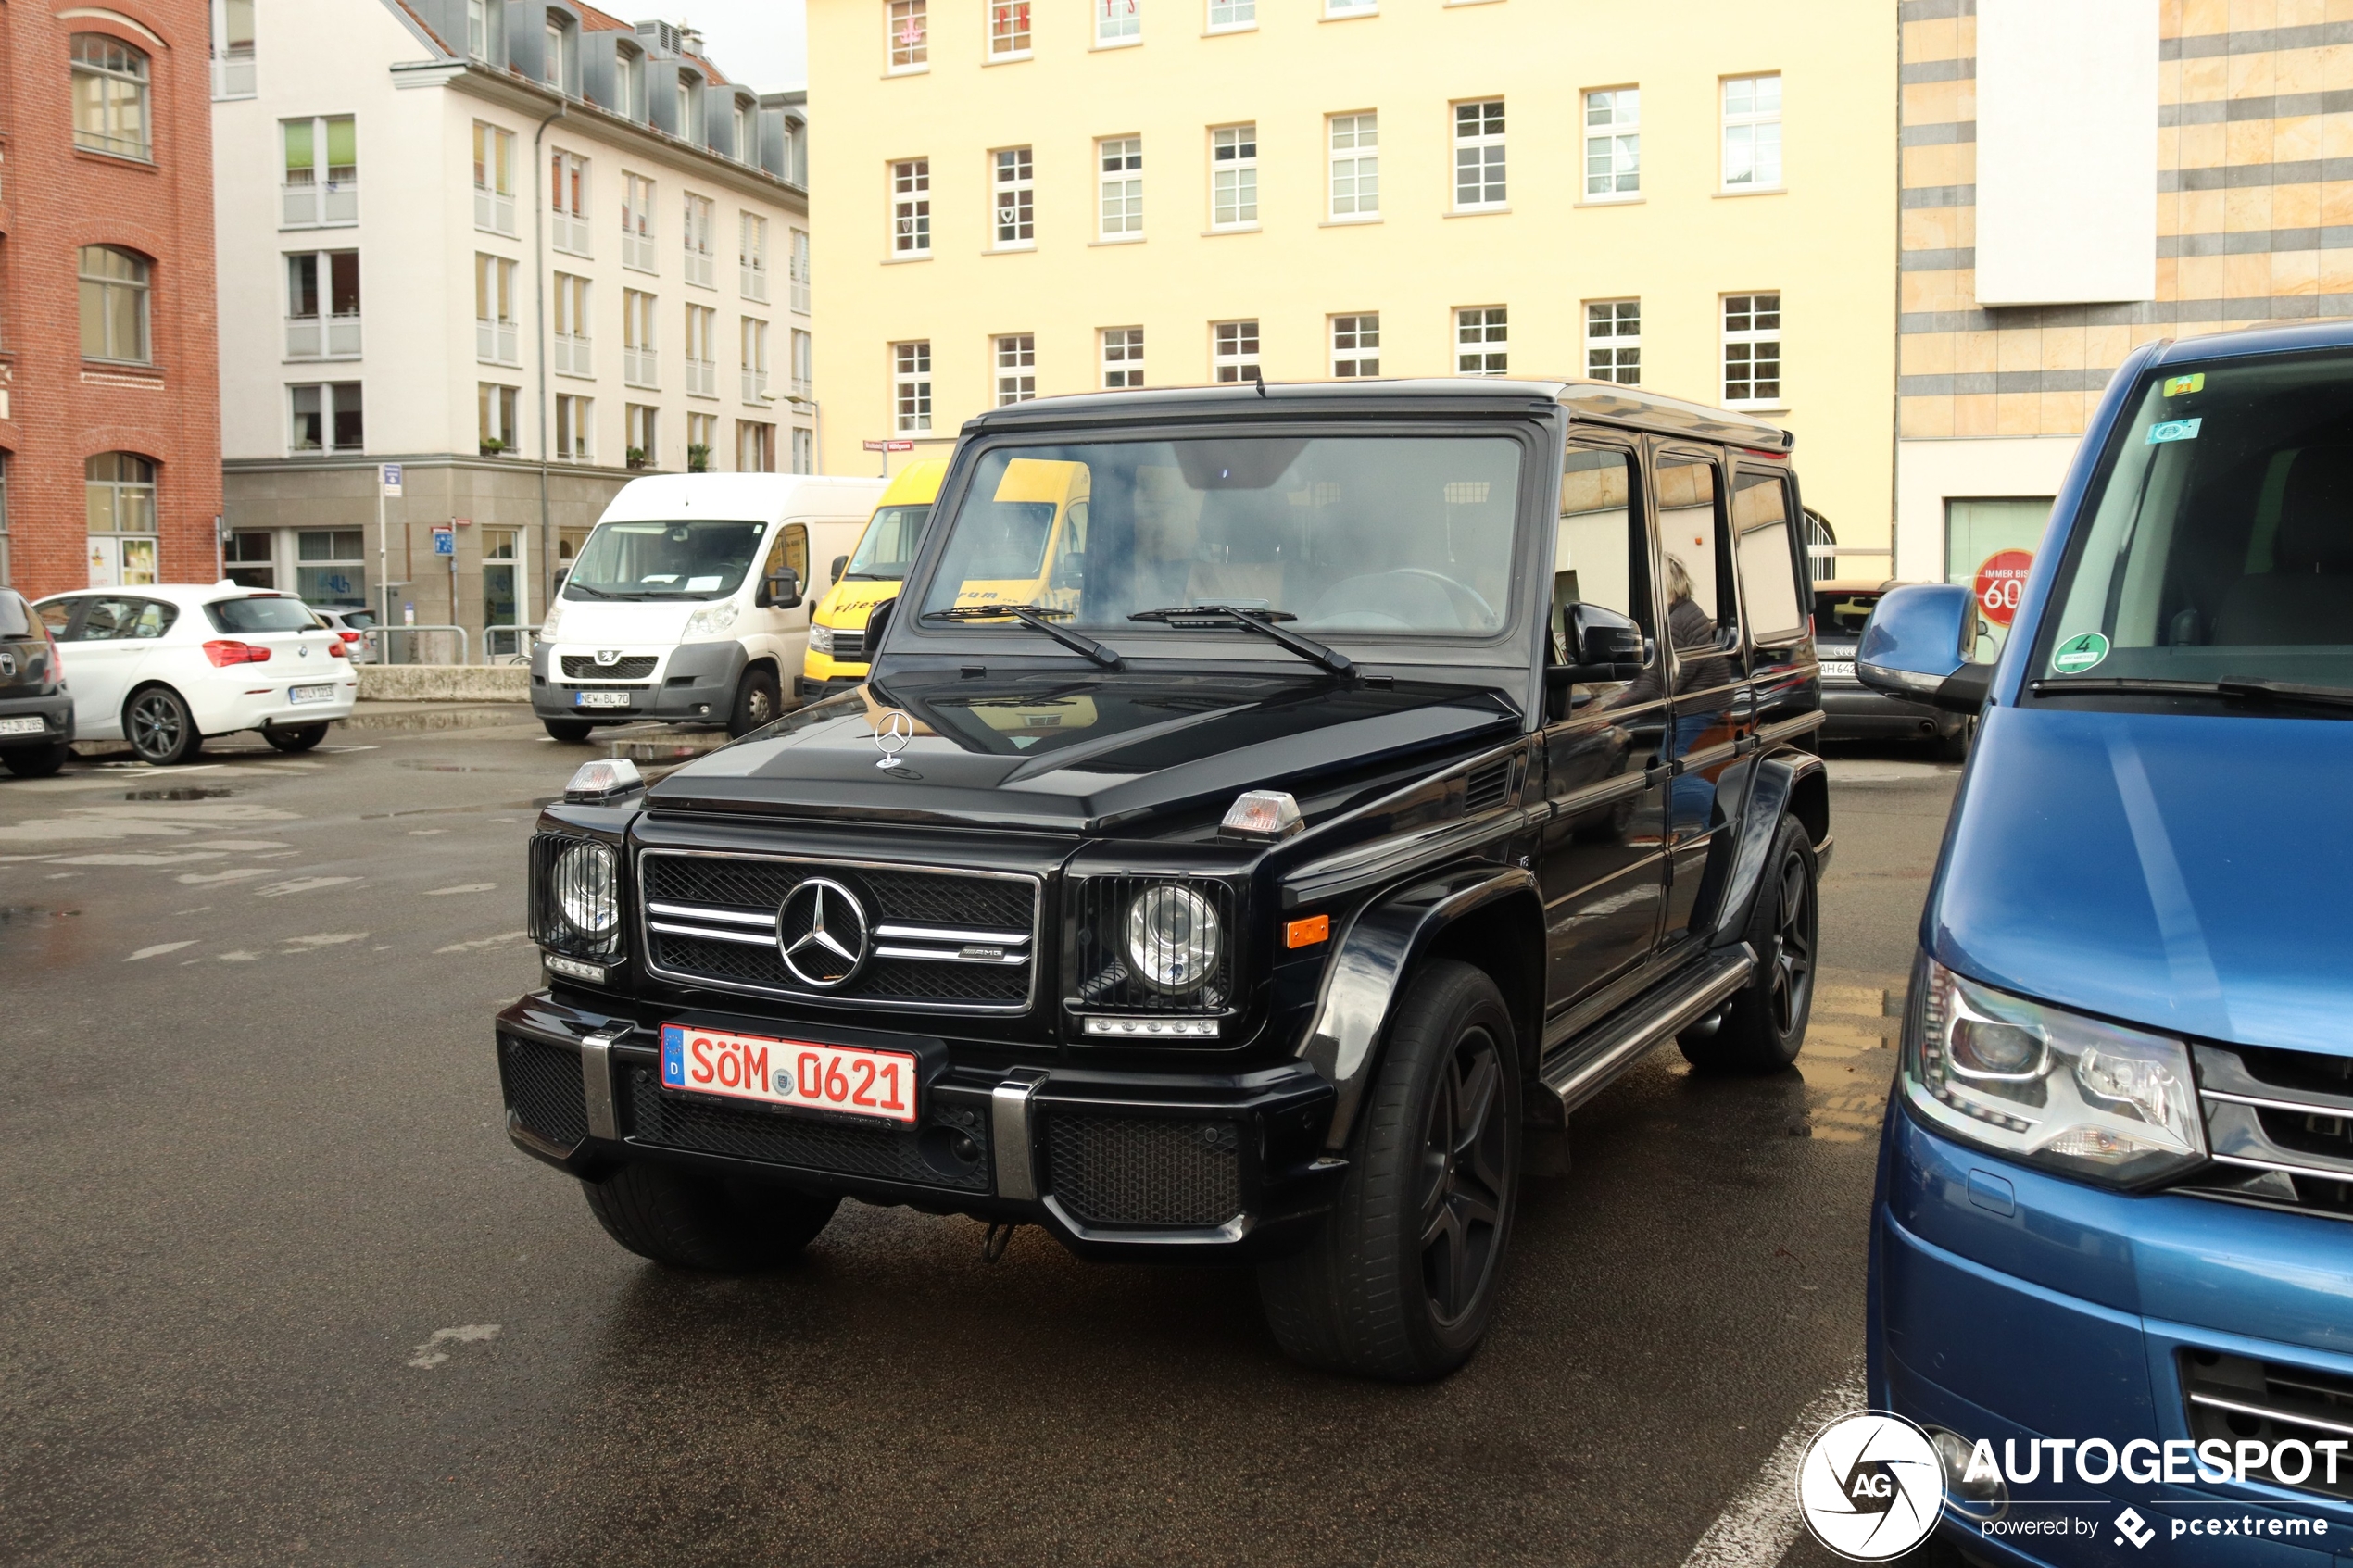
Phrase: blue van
[2111,1262]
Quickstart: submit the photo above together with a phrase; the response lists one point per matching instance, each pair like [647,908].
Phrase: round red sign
[2001,583]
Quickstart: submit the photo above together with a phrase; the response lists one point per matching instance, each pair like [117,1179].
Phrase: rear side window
[57,615]
[1767,556]
[260,615]
[16,616]
[126,619]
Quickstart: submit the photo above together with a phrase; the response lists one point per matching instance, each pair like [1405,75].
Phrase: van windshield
[664,561]
[2217,547]
[889,543]
[1371,535]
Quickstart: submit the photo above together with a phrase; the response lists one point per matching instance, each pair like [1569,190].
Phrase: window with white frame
[800,271]
[1478,155]
[568,193]
[1355,166]
[804,359]
[568,318]
[1351,7]
[1233,177]
[687,97]
[116,287]
[751,256]
[1118,22]
[637,224]
[110,104]
[322,304]
[911,207]
[1752,350]
[641,435]
[1013,188]
[1753,133]
[479,18]
[1123,356]
[700,218]
[639,365]
[1233,351]
[1614,341]
[1482,341]
[1008,30]
[495,340]
[1612,143]
[629,84]
[1119,162]
[327,418]
[804,449]
[560,63]
[574,419]
[498,417]
[909,24]
[702,434]
[1016,368]
[1355,345]
[702,351]
[911,387]
[755,446]
[752,339]
[1228,15]
[322,187]
[745,138]
[494,179]
[232,75]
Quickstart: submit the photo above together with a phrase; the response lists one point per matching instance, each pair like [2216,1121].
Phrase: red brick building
[110,351]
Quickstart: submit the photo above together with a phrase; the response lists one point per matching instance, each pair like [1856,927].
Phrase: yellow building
[1030,198]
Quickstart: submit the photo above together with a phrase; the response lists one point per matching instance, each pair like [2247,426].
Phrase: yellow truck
[1038,517]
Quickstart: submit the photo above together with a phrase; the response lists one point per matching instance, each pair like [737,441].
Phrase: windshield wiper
[1258,621]
[2246,689]
[571,588]
[1034,617]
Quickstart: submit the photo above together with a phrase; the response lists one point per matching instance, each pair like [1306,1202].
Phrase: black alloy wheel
[1791,977]
[1762,1027]
[159,727]
[1466,1177]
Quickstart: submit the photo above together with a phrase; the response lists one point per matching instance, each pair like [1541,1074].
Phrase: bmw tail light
[335,649]
[224,652]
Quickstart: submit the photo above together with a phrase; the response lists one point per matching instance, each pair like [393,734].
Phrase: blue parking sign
[445,541]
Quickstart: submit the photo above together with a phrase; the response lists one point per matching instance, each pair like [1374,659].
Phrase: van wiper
[1034,617]
[1259,621]
[592,593]
[2246,689]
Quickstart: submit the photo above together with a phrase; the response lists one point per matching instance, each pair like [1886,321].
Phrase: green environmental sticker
[2079,654]
[2173,430]
[2176,385]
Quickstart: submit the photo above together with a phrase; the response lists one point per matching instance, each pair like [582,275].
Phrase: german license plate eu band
[31,725]
[309,694]
[848,1080]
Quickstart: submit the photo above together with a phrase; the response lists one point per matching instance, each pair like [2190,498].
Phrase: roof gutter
[539,293]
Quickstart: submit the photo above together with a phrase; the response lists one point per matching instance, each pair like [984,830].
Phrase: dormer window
[628,82]
[747,138]
[688,83]
[561,68]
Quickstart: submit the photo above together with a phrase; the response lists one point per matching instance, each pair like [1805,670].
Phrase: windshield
[1373,535]
[2220,544]
[889,543]
[664,561]
[1840,612]
[359,620]
[260,615]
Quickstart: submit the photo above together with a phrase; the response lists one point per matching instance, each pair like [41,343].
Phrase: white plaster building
[520,247]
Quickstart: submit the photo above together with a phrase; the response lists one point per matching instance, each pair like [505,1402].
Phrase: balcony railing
[332,337]
[496,342]
[312,204]
[570,234]
[638,251]
[802,386]
[232,74]
[494,210]
[755,387]
[699,268]
[639,367]
[754,282]
[571,357]
[702,378]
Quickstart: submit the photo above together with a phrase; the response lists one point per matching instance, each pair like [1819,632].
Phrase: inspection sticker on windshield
[2079,654]
[2176,386]
[2174,430]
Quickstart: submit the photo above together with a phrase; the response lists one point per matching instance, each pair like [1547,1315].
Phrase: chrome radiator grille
[2280,1126]
[859,933]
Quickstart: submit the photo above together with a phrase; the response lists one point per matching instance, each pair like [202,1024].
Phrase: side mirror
[1070,571]
[841,564]
[1598,634]
[1913,645]
[782,591]
[878,622]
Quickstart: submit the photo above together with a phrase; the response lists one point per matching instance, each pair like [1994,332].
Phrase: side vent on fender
[1488,787]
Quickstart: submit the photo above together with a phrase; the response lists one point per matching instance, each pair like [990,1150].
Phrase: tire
[712,1224]
[757,702]
[297,737]
[160,728]
[572,732]
[36,761]
[1402,1282]
[1762,1027]
[1955,747]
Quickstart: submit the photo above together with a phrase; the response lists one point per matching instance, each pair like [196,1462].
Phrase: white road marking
[430,1353]
[199,910]
[132,857]
[301,885]
[322,939]
[246,845]
[1757,1529]
[462,887]
[484,942]
[158,951]
[234,873]
[425,832]
[239,956]
[60,876]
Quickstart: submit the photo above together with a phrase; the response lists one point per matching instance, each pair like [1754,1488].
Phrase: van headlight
[550,621]
[2048,1087]
[1173,938]
[710,620]
[821,639]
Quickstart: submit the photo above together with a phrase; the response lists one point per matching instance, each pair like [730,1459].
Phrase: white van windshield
[664,561]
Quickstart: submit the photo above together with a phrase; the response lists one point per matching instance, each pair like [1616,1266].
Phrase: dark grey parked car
[1854,712]
[36,712]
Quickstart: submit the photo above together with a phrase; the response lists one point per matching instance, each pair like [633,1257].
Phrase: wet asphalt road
[276,1290]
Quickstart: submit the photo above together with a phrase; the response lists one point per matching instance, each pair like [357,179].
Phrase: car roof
[2282,339]
[1856,584]
[1599,402]
[182,594]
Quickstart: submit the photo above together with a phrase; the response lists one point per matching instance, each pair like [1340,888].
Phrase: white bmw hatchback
[163,667]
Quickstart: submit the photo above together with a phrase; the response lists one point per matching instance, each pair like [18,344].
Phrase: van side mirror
[1070,571]
[1913,647]
[841,564]
[781,591]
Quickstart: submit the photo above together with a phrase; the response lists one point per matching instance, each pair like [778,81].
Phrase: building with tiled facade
[2078,179]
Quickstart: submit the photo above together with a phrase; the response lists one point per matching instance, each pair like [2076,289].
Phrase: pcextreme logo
[1870,1486]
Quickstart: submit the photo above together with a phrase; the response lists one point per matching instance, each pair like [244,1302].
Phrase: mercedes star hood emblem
[892,731]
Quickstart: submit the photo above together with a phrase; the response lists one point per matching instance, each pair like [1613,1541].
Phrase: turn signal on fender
[1307,933]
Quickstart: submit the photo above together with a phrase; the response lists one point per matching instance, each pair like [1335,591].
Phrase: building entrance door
[122,561]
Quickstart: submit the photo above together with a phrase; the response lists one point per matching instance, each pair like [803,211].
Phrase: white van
[687,602]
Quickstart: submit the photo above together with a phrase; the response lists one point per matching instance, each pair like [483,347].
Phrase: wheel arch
[1784,783]
[155,683]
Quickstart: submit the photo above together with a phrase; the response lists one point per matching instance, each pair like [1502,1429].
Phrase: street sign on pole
[390,478]
[890,445]
[445,539]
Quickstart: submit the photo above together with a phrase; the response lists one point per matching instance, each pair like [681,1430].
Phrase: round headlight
[1172,938]
[584,891]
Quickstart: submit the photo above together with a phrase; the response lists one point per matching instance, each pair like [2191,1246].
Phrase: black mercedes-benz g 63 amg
[1264,807]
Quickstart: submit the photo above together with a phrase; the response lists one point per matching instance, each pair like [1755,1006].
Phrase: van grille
[2279,1124]
[2235,1396]
[850,646]
[583,667]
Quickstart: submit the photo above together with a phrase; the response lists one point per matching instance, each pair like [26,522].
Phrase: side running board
[1617,1044]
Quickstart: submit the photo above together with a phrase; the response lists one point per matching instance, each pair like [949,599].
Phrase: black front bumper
[698,687]
[54,710]
[1117,1165]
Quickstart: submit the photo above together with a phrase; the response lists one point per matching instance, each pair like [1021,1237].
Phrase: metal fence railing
[424,640]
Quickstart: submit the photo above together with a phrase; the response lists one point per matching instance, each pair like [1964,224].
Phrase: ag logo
[1870,1486]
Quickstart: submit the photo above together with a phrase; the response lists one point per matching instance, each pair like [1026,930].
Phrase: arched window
[109,95]
[114,305]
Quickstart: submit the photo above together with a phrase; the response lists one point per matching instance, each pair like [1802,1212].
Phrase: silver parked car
[356,627]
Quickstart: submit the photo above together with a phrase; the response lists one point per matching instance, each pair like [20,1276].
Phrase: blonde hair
[1678,581]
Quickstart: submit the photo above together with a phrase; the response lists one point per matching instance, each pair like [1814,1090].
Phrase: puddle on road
[24,925]
[421,766]
[184,792]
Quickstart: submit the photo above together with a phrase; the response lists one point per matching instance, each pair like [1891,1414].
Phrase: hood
[850,601]
[1077,754]
[2185,873]
[619,621]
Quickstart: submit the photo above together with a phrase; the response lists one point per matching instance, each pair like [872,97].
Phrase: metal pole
[539,293]
[384,571]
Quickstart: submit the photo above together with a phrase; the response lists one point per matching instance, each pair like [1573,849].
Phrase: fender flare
[1369,964]
[1777,781]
